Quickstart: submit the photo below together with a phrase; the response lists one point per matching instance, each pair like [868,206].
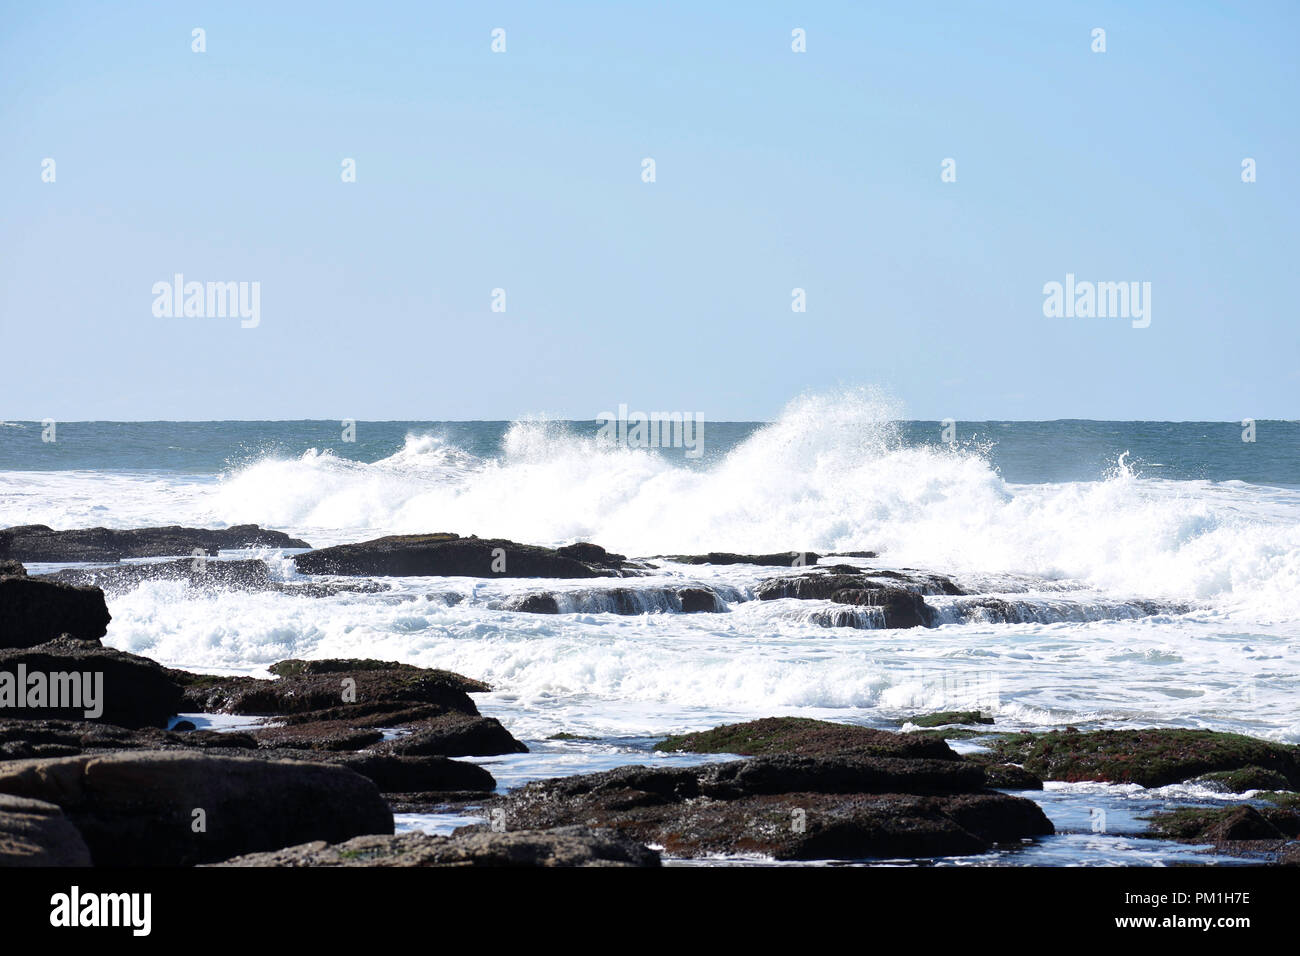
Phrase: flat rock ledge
[37,542]
[562,846]
[788,808]
[449,555]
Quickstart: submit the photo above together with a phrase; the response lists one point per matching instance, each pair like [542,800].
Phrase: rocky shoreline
[335,747]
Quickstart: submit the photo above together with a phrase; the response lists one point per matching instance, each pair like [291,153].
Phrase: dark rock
[1007,776]
[803,735]
[900,607]
[250,574]
[39,543]
[33,611]
[1151,758]
[29,739]
[1225,824]
[36,833]
[447,555]
[322,694]
[299,668]
[182,726]
[401,774]
[945,717]
[1247,778]
[697,600]
[12,569]
[456,736]
[845,812]
[823,583]
[778,559]
[536,603]
[564,846]
[139,809]
[133,691]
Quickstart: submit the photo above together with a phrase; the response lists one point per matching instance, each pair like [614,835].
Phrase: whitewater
[1139,598]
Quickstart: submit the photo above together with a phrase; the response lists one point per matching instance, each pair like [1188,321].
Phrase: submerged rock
[563,846]
[249,574]
[450,555]
[33,611]
[150,808]
[38,542]
[621,600]
[900,606]
[1152,758]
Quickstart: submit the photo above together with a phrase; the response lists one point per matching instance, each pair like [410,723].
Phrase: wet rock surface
[250,574]
[128,690]
[38,542]
[788,807]
[808,737]
[901,603]
[450,555]
[1153,758]
[151,808]
[562,846]
[33,611]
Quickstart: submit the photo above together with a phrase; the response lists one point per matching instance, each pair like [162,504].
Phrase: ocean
[1148,573]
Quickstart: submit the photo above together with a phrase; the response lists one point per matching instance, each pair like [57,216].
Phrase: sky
[522,170]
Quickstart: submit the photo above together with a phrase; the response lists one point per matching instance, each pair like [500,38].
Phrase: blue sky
[522,170]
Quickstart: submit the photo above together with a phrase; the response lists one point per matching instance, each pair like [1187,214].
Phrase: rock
[536,603]
[12,569]
[700,600]
[35,833]
[1247,778]
[20,740]
[843,807]
[1151,758]
[299,668]
[1007,776]
[778,559]
[456,736]
[446,555]
[621,600]
[1288,799]
[803,735]
[563,846]
[322,694]
[822,583]
[250,574]
[900,607]
[945,717]
[1225,824]
[33,611]
[405,774]
[140,808]
[37,542]
[129,691]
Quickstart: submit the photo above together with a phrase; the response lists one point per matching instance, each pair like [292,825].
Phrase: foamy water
[1084,559]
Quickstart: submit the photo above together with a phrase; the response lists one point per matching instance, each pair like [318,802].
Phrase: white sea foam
[829,474]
